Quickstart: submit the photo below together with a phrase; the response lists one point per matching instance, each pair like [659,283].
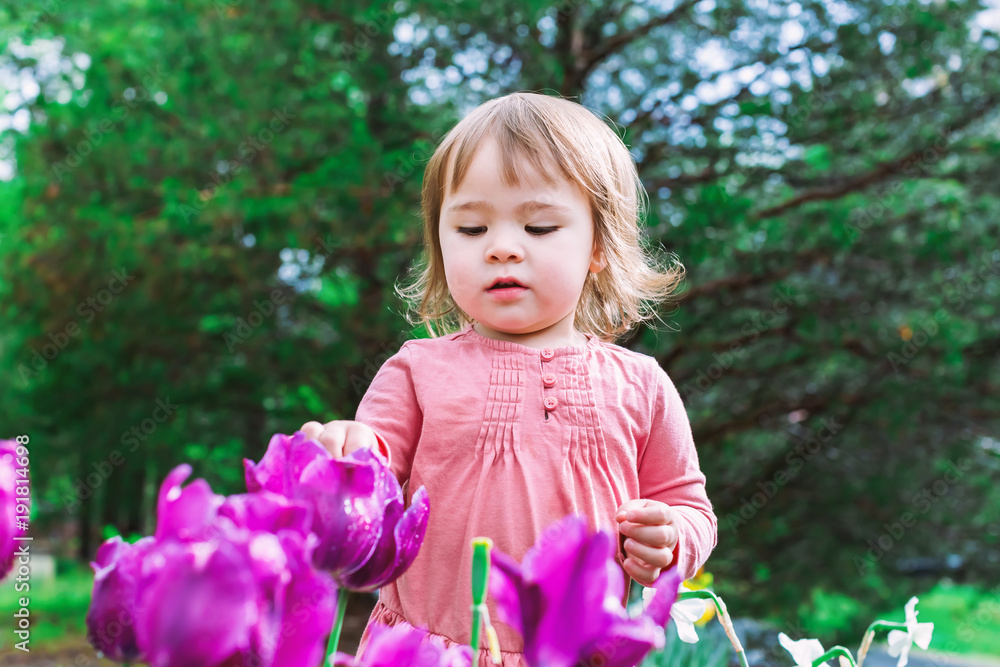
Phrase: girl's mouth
[506,291]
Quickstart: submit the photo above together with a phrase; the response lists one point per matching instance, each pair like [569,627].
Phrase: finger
[626,507]
[332,438]
[312,429]
[359,437]
[655,514]
[654,536]
[652,556]
[644,574]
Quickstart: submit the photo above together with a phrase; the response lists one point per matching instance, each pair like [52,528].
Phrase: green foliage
[712,649]
[829,614]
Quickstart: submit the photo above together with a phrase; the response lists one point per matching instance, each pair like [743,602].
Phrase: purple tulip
[226,582]
[565,600]
[402,533]
[366,538]
[404,645]
[9,527]
[113,608]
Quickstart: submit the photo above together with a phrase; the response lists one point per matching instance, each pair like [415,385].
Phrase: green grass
[58,607]
[966,619]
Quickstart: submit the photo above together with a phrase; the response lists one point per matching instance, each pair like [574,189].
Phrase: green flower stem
[833,653]
[338,625]
[480,574]
[866,641]
[724,619]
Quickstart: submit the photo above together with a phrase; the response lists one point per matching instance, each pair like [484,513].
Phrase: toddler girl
[519,410]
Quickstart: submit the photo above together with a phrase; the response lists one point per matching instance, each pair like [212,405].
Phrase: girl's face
[539,236]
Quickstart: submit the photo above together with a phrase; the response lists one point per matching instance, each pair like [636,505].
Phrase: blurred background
[204,206]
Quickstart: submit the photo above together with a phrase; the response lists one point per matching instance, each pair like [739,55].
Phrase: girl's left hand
[651,536]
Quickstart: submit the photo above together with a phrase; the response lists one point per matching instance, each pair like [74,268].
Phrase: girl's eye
[536,231]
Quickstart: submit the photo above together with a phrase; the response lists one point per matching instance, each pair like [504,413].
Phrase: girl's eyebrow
[525,207]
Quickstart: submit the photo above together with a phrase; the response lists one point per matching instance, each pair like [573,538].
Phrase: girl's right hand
[341,437]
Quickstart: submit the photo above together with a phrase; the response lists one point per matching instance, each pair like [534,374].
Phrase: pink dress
[508,439]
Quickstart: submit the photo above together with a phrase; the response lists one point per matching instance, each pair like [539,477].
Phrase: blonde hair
[543,130]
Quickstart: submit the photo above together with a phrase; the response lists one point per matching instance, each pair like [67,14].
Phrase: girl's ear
[598,261]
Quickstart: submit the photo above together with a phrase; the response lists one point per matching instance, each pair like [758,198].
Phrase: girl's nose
[503,248]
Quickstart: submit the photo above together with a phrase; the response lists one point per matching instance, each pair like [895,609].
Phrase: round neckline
[508,346]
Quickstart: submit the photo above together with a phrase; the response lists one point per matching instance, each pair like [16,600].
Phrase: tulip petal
[627,642]
[397,548]
[347,515]
[9,500]
[267,511]
[409,646]
[283,463]
[587,585]
[201,606]
[113,603]
[393,646]
[666,586]
[510,592]
[308,608]
[341,659]
[411,530]
[186,514]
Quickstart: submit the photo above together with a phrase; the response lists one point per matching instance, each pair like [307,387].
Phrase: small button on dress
[550,402]
[548,353]
[549,380]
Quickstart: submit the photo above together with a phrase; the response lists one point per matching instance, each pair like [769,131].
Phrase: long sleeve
[669,473]
[390,407]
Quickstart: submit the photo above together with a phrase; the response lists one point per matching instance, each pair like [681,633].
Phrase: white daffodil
[684,612]
[900,641]
[803,651]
